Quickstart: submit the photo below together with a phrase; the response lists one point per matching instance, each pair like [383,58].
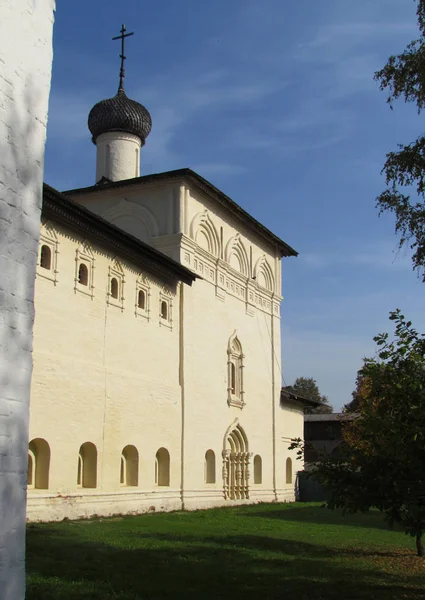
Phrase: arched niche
[133,218]
[236,255]
[38,464]
[263,274]
[129,471]
[204,233]
[209,466]
[162,467]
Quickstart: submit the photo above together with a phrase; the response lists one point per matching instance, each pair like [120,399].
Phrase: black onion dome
[120,114]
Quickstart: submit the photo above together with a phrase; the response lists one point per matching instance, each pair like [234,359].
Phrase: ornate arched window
[84,273]
[116,285]
[235,357]
[236,458]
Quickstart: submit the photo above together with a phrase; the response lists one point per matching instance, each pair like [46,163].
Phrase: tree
[404,76]
[308,388]
[382,461]
[353,405]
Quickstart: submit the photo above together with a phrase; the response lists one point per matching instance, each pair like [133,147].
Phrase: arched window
[83,274]
[235,391]
[258,469]
[288,470]
[129,474]
[162,467]
[164,310]
[141,299]
[87,466]
[38,464]
[209,467]
[45,257]
[114,287]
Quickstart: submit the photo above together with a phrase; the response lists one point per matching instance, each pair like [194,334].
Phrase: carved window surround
[235,378]
[116,273]
[84,256]
[165,301]
[48,238]
[142,285]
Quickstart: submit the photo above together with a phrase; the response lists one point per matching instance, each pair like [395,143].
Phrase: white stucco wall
[194,230]
[25,71]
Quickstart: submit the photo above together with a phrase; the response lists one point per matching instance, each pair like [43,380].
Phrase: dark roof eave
[204,186]
[286,396]
[78,218]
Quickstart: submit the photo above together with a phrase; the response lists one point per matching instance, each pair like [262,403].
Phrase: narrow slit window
[46,257]
[83,274]
[122,479]
[141,300]
[164,310]
[114,287]
[232,378]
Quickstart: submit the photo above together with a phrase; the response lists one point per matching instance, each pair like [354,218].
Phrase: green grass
[288,551]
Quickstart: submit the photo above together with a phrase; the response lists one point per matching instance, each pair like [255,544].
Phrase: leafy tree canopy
[382,461]
[404,76]
[308,388]
[353,405]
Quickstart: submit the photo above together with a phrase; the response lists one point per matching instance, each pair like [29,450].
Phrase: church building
[157,342]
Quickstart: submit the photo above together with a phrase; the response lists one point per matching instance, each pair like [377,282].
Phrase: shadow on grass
[322,515]
[60,566]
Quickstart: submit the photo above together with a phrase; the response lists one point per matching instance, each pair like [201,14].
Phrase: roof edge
[58,207]
[287,396]
[205,186]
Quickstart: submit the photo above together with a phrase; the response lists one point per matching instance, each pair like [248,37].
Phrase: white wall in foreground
[25,70]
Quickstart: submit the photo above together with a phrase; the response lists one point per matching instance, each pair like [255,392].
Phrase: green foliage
[353,405]
[404,76]
[308,388]
[382,463]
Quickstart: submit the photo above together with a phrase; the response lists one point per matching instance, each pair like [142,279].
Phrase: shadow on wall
[21,171]
[61,566]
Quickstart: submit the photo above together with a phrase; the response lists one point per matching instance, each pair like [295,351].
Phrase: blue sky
[275,103]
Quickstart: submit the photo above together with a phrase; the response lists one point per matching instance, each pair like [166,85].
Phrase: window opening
[83,274]
[46,257]
[141,300]
[114,287]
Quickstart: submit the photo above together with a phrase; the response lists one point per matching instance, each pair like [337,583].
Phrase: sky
[274,103]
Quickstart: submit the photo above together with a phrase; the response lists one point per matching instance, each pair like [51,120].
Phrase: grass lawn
[288,551]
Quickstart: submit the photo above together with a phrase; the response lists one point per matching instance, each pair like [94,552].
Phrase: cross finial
[122,55]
